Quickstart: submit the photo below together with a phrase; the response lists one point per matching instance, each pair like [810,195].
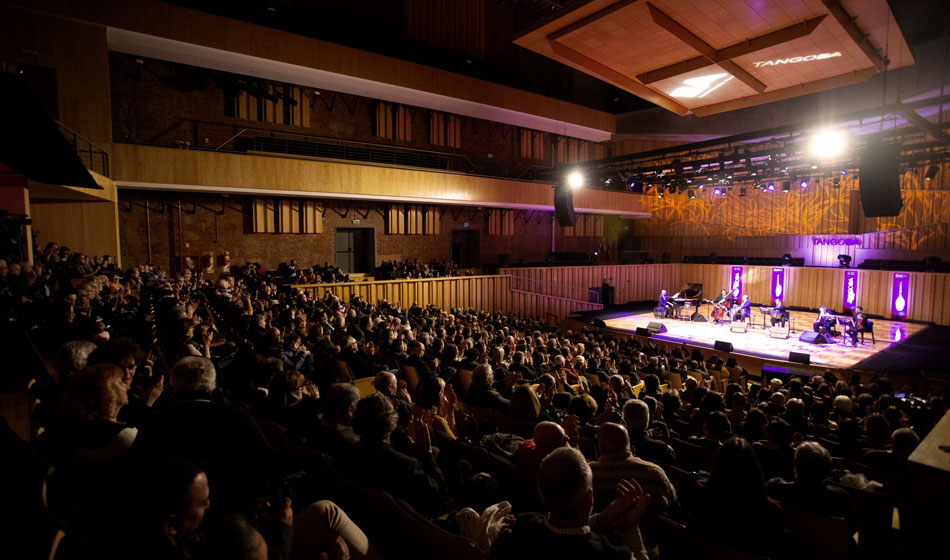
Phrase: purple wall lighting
[735,282]
[900,298]
[778,284]
[849,290]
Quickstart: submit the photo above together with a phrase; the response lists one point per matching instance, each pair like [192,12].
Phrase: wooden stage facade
[757,342]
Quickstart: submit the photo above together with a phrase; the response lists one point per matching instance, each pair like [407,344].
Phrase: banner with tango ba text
[778,284]
[899,294]
[849,293]
[735,282]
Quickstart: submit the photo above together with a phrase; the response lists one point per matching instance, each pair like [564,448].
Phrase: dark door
[465,250]
[355,249]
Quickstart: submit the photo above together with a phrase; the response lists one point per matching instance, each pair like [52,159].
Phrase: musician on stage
[743,310]
[778,313]
[721,306]
[825,318]
[722,297]
[857,323]
[667,304]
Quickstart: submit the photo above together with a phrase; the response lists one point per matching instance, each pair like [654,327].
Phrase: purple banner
[849,291]
[899,294]
[778,284]
[735,280]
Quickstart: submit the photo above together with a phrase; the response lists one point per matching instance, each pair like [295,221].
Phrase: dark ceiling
[380,26]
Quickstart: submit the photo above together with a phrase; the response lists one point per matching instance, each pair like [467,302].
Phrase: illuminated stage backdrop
[735,282]
[778,284]
[899,295]
[849,293]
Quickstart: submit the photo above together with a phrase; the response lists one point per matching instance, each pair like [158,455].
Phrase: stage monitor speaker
[723,346]
[697,317]
[778,332]
[600,324]
[879,182]
[812,337]
[656,327]
[643,332]
[799,357]
[564,205]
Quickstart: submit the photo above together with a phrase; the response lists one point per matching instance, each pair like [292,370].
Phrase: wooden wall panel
[148,164]
[550,309]
[929,294]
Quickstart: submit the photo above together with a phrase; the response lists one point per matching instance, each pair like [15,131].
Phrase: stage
[757,342]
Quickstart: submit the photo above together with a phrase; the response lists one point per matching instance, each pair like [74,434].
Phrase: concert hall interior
[472,279]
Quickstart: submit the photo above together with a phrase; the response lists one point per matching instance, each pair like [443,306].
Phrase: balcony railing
[92,156]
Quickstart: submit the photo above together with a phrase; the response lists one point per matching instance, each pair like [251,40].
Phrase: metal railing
[557,290]
[92,156]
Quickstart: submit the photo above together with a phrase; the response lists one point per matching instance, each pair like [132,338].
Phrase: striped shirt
[610,469]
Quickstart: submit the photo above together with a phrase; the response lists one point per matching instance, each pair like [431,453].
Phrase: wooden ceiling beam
[784,35]
[702,47]
[589,19]
[859,37]
[608,74]
[939,134]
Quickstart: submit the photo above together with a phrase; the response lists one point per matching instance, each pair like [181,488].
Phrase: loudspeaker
[812,337]
[696,317]
[723,346]
[738,326]
[656,327]
[600,324]
[778,332]
[799,357]
[564,205]
[880,182]
[643,332]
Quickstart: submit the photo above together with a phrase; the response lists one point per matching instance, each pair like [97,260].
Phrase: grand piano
[686,301]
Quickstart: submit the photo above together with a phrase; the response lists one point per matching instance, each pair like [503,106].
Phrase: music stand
[845,322]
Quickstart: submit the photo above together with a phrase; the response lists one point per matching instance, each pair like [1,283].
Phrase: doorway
[465,248]
[355,249]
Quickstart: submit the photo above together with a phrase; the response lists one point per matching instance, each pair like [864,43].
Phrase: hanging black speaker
[564,205]
[879,182]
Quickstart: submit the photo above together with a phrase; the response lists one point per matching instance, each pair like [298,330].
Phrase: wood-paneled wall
[929,297]
[163,166]
[483,293]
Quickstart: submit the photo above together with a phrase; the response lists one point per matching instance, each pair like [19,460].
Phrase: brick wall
[204,230]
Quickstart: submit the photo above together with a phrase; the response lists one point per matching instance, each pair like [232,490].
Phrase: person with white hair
[569,530]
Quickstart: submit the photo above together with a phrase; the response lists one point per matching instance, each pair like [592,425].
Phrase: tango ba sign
[796,59]
[900,288]
[849,295]
[837,241]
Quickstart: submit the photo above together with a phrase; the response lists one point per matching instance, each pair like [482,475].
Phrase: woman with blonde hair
[90,410]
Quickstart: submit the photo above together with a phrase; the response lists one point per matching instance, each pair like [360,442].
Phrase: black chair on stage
[867,326]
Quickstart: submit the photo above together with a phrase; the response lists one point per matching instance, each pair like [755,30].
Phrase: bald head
[548,436]
[385,383]
[612,438]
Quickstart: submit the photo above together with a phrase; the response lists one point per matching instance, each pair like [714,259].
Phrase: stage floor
[757,342]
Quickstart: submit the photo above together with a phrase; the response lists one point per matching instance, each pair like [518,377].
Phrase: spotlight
[844,260]
[691,193]
[803,184]
[702,186]
[787,257]
[770,187]
[659,193]
[844,172]
[607,181]
[742,191]
[786,186]
[827,144]
[575,180]
[836,183]
[717,191]
[931,173]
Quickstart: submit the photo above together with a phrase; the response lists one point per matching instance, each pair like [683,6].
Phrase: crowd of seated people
[394,270]
[184,413]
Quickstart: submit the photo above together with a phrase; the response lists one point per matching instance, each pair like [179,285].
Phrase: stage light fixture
[717,191]
[931,173]
[742,191]
[836,183]
[786,186]
[844,260]
[575,180]
[702,186]
[803,184]
[827,144]
[660,192]
[691,193]
[770,187]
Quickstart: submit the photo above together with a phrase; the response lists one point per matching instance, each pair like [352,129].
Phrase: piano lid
[691,291]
